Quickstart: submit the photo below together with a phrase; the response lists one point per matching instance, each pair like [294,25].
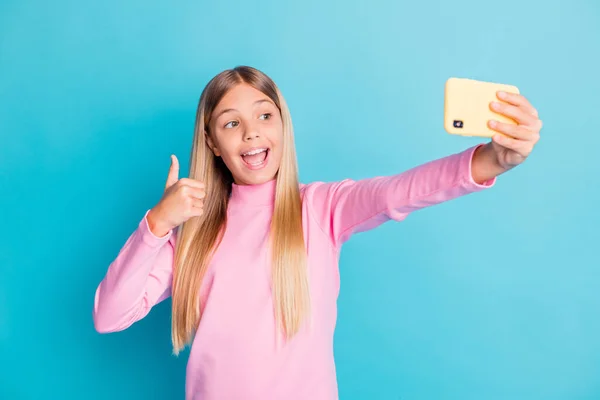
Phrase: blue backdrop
[491,296]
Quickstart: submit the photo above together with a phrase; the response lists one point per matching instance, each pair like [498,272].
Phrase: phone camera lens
[458,123]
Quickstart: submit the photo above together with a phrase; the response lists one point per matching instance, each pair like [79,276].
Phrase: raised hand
[182,199]
[514,143]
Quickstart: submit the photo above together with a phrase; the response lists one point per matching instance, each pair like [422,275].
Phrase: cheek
[230,157]
[277,141]
[275,135]
[277,155]
[227,151]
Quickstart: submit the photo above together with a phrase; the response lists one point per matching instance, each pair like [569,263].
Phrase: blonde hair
[198,238]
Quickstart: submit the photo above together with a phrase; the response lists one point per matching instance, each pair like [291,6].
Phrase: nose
[250,134]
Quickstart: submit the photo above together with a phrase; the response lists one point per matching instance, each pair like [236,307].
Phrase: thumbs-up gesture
[183,199]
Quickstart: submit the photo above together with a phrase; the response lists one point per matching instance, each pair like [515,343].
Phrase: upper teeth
[252,152]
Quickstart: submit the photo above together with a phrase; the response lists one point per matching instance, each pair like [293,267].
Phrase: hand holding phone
[467,106]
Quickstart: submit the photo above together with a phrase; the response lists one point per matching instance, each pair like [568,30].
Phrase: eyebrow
[233,109]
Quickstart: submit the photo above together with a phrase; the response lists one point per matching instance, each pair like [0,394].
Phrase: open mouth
[256,158]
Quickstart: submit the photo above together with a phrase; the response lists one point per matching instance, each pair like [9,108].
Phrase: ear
[212,145]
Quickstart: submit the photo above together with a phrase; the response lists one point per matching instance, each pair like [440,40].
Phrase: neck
[261,194]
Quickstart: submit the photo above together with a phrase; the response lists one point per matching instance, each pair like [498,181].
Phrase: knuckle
[510,129]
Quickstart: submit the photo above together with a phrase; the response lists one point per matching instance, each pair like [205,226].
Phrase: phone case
[467,106]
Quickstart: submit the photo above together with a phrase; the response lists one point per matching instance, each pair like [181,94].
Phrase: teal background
[491,296]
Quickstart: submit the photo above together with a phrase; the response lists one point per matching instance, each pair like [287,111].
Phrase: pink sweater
[234,353]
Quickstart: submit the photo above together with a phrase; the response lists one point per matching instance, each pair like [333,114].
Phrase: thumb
[173,176]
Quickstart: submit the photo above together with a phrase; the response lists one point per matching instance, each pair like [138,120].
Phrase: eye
[230,122]
[268,114]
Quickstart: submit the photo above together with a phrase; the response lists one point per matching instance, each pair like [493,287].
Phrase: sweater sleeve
[347,207]
[136,280]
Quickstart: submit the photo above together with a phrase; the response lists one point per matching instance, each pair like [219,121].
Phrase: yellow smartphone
[467,106]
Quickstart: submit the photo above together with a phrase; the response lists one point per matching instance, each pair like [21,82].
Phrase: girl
[249,255]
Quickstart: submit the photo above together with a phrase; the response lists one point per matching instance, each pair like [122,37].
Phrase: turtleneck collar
[254,195]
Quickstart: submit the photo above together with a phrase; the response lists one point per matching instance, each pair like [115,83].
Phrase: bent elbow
[104,318]
[107,322]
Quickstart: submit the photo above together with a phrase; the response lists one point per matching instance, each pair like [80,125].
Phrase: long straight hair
[199,237]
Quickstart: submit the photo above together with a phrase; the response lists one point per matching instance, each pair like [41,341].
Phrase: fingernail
[501,94]
[495,104]
[492,123]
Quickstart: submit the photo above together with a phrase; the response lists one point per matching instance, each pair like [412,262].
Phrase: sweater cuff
[150,238]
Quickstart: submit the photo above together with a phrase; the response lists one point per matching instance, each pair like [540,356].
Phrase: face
[246,131]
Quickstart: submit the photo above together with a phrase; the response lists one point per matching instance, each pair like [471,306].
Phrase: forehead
[241,96]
